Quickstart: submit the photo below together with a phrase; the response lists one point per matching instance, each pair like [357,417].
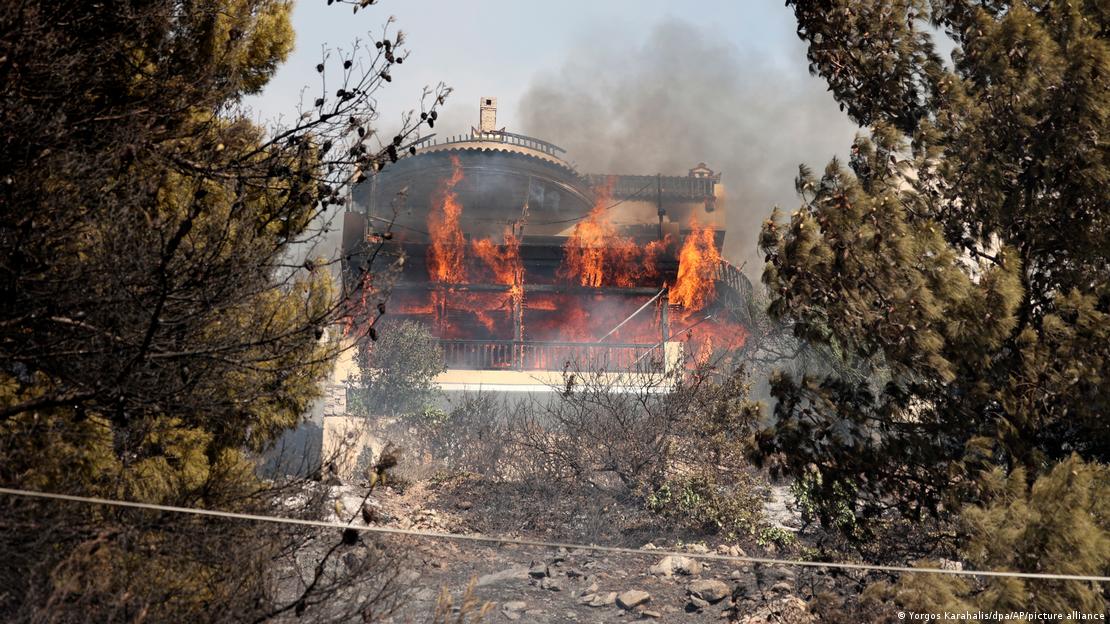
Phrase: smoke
[682,96]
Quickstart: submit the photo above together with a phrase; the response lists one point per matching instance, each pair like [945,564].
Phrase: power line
[499,540]
[609,207]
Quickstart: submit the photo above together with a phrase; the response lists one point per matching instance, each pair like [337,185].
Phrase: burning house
[522,266]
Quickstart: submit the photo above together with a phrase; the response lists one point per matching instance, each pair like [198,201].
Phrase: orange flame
[714,337]
[445,255]
[697,270]
[596,255]
[504,261]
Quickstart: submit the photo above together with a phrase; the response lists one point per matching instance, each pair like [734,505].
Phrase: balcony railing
[735,279]
[647,186]
[493,137]
[551,356]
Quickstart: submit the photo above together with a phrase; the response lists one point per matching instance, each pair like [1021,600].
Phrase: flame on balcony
[597,255]
[504,261]
[462,306]
[698,262]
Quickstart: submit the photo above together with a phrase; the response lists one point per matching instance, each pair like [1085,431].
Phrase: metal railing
[646,186]
[734,291]
[734,278]
[555,356]
[494,137]
[551,356]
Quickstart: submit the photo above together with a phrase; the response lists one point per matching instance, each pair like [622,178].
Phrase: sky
[625,86]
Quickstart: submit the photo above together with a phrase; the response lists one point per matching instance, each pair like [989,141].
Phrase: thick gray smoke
[681,96]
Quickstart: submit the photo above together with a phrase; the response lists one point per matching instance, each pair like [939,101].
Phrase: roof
[499,141]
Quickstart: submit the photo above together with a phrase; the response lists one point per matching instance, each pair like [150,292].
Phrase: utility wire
[490,539]
[609,207]
[638,310]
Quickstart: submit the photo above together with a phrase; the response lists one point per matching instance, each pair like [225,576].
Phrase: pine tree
[961,262]
[153,335]
[1059,525]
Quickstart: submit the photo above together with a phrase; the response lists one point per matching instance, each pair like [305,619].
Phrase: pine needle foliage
[960,259]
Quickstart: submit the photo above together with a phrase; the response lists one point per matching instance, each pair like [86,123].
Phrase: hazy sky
[626,86]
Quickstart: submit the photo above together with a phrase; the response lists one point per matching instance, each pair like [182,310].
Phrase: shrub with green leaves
[702,502]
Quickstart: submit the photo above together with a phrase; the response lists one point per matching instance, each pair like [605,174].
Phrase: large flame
[461,305]
[698,262]
[711,338]
[504,261]
[595,254]
[445,255]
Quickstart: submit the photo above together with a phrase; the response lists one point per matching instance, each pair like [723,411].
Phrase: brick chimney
[487,120]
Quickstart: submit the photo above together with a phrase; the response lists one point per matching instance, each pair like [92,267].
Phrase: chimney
[487,120]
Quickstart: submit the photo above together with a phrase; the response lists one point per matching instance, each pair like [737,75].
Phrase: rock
[649,546]
[538,570]
[603,600]
[370,513]
[573,573]
[696,604]
[781,509]
[551,585]
[735,575]
[511,615]
[731,550]
[710,590]
[515,605]
[784,574]
[352,561]
[699,548]
[515,573]
[782,588]
[632,598]
[650,614]
[464,505]
[747,589]
[670,565]
[592,589]
[789,610]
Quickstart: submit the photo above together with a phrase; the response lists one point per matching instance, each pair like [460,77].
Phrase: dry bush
[673,444]
[632,433]
[467,439]
[468,611]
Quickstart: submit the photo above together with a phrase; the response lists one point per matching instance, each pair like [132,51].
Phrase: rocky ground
[530,584]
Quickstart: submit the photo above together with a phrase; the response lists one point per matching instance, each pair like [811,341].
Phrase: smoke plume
[680,96]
